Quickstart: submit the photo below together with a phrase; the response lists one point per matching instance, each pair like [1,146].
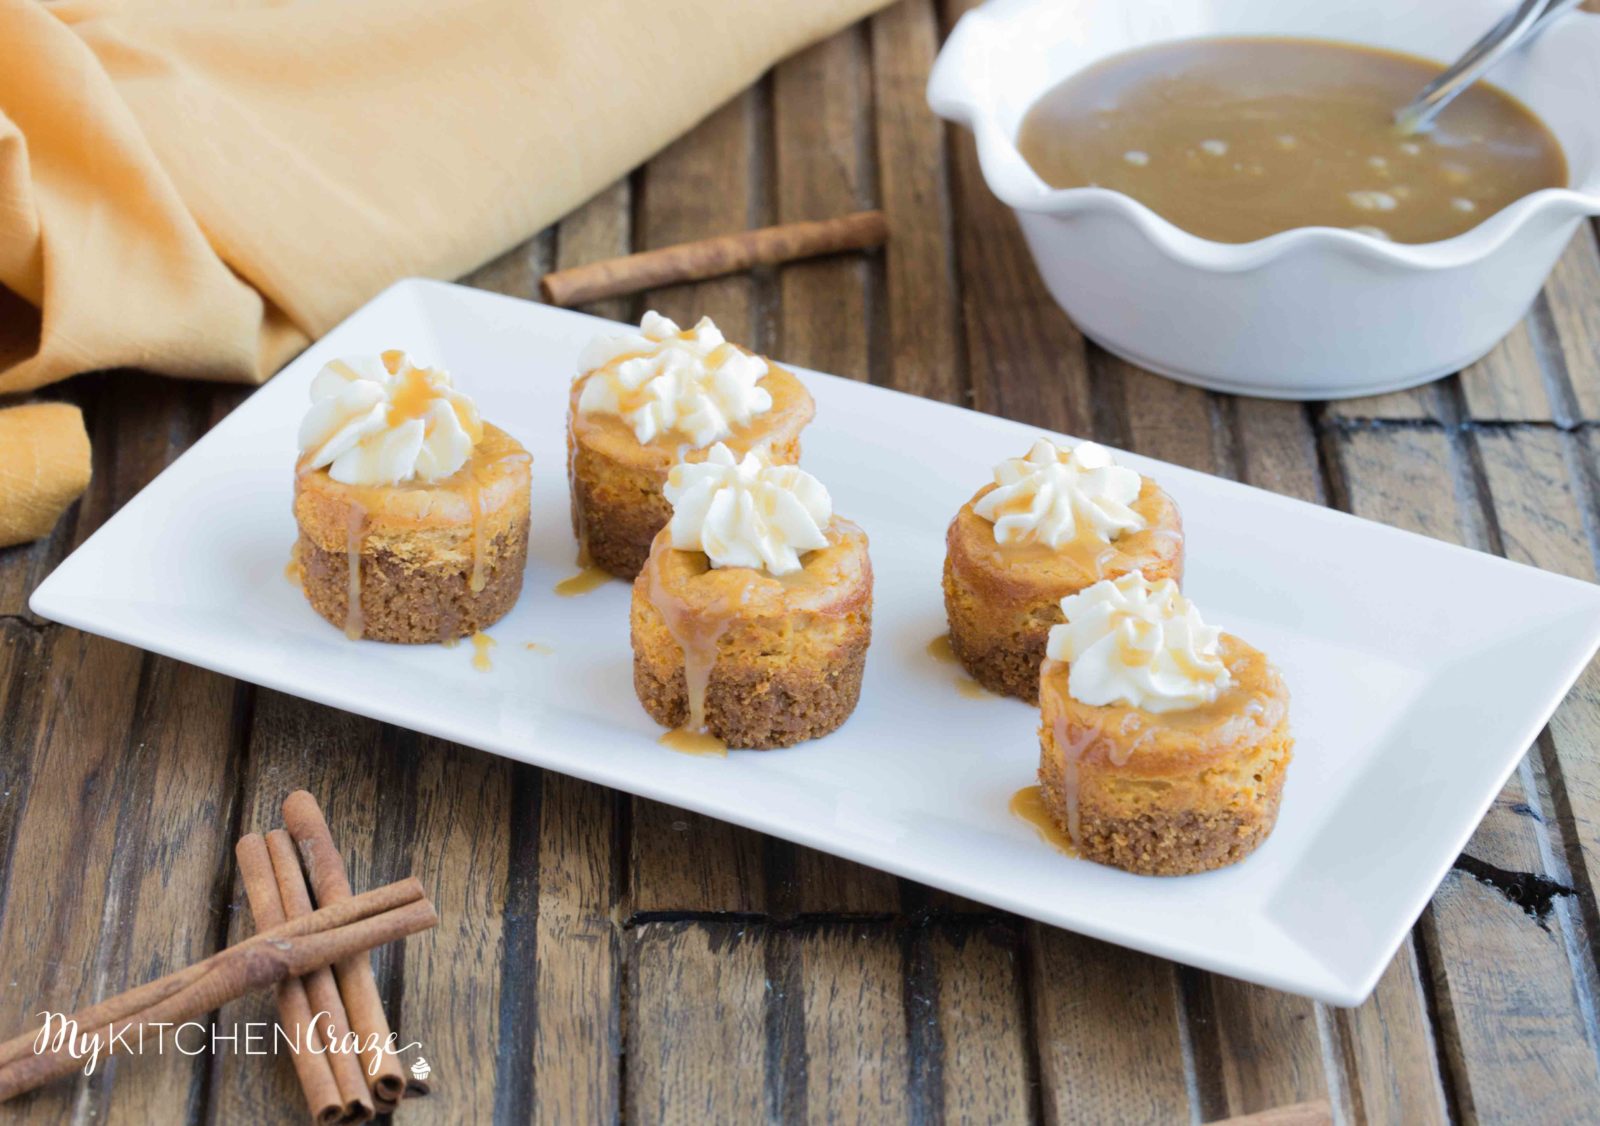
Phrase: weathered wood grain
[856,1047]
[1389,1055]
[918,296]
[697,1041]
[446,1003]
[600,229]
[1510,384]
[577,1038]
[982,1049]
[1572,310]
[1107,1030]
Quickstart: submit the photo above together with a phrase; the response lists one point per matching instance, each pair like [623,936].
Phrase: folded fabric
[198,188]
[44,467]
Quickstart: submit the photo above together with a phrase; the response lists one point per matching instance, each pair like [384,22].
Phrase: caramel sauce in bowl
[1303,312]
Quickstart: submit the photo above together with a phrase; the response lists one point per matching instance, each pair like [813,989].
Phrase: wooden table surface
[601,956]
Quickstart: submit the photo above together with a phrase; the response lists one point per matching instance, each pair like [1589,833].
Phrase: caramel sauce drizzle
[1028,804]
[590,578]
[939,649]
[481,644]
[697,633]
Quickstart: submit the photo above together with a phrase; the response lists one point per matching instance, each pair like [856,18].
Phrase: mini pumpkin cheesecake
[1163,742]
[752,615]
[413,511]
[646,401]
[1052,523]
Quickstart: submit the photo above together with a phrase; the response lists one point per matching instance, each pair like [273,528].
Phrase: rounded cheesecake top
[492,487]
[611,437]
[836,579]
[1250,709]
[1033,572]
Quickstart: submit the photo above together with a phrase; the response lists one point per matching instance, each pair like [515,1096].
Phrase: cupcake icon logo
[421,1069]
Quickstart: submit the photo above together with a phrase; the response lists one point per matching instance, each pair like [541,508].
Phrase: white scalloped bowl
[1314,313]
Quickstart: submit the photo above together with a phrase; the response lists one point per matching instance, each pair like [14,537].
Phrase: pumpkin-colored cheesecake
[1051,524]
[752,615]
[413,511]
[645,401]
[1163,742]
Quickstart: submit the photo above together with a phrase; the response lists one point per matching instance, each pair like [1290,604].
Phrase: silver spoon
[1515,30]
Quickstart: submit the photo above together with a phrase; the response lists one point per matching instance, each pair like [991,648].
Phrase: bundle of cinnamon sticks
[315,954]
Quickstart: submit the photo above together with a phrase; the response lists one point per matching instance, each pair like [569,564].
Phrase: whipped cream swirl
[662,380]
[381,420]
[1054,496]
[747,513]
[1131,642]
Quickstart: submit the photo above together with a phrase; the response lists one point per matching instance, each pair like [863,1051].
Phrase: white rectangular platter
[1420,672]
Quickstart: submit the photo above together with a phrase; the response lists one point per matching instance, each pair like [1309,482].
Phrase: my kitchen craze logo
[59,1033]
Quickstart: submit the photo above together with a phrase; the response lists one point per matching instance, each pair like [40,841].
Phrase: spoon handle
[1514,30]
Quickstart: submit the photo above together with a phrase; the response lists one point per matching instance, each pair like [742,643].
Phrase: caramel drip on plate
[481,644]
[687,742]
[939,649]
[1028,804]
[697,633]
[590,578]
[354,623]
[971,689]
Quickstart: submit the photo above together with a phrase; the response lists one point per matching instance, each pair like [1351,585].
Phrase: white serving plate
[1420,672]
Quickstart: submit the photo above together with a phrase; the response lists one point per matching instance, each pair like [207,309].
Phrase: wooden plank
[705,184]
[1513,1031]
[1025,359]
[1510,384]
[1107,1030]
[1534,479]
[1570,313]
[1414,404]
[600,229]
[821,133]
[919,296]
[577,1041]
[983,1040]
[457,846]
[696,1027]
[856,1044]
[1388,1050]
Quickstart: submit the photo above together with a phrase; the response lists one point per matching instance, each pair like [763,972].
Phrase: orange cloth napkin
[199,187]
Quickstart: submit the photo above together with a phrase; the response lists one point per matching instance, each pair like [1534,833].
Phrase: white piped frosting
[381,420]
[1132,642]
[661,380]
[1054,496]
[747,513]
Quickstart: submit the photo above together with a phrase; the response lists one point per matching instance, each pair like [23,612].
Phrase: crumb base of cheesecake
[1149,838]
[410,603]
[759,707]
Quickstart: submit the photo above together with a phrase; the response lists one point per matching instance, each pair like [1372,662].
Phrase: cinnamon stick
[303,818]
[311,1064]
[712,257]
[115,1009]
[320,990]
[243,968]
